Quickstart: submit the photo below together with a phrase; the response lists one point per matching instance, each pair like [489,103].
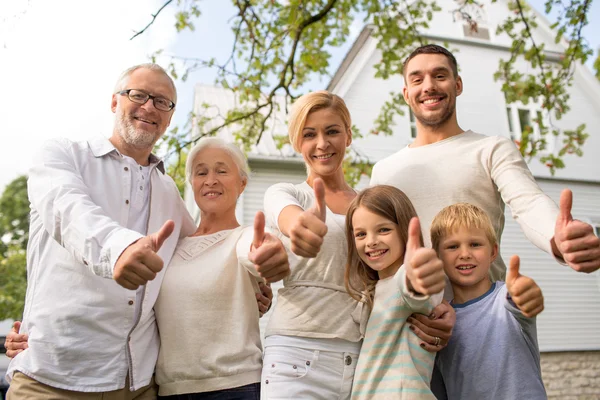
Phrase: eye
[452,247]
[222,171]
[201,173]
[416,81]
[308,135]
[475,244]
[384,230]
[333,131]
[359,235]
[138,95]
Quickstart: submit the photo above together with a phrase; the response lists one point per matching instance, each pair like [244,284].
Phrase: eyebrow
[435,70]
[218,164]
[327,127]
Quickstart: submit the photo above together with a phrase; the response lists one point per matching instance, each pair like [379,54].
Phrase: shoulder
[298,191]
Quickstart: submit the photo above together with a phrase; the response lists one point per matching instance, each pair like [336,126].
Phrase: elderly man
[94,272]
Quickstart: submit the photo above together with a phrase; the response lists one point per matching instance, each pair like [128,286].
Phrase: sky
[59,61]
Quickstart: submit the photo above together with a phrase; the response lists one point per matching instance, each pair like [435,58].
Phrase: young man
[493,352]
[93,271]
[446,165]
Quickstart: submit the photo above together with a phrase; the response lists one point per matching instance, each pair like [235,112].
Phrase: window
[413,124]
[475,21]
[521,117]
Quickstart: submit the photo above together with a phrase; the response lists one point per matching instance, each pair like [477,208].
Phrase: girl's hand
[438,324]
[424,270]
[309,229]
[525,293]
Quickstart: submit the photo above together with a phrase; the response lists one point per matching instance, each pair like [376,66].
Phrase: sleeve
[375,179]
[61,197]
[278,197]
[417,302]
[526,323]
[534,211]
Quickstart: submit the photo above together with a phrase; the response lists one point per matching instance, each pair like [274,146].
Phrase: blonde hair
[232,149]
[460,215]
[310,102]
[390,203]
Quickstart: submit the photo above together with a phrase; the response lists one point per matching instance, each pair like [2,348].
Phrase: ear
[405,93]
[349,137]
[244,183]
[113,103]
[494,252]
[459,85]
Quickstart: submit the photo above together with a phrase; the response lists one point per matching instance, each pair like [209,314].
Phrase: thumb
[319,190]
[16,326]
[565,205]
[513,270]
[414,234]
[163,234]
[259,229]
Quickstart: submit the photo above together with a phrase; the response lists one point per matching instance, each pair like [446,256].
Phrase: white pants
[303,374]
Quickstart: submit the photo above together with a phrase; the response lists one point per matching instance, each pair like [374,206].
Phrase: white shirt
[83,331]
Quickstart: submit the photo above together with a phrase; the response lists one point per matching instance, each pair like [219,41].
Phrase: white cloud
[59,61]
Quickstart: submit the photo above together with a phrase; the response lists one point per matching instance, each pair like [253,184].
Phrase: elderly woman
[206,309]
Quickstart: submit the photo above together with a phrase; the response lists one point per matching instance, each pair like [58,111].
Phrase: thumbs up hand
[574,240]
[139,263]
[308,231]
[424,270]
[525,293]
[267,253]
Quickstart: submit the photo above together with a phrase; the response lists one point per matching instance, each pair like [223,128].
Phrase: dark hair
[432,49]
[393,205]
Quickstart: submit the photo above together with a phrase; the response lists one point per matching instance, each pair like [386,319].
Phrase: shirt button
[140,167]
[126,169]
[348,360]
[141,188]
[126,201]
[130,302]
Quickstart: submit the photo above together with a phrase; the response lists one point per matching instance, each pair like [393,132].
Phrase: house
[568,329]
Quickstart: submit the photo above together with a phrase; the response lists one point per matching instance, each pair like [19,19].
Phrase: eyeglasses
[139,97]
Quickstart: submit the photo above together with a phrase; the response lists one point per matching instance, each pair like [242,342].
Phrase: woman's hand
[267,253]
[434,330]
[308,230]
[264,298]
[15,342]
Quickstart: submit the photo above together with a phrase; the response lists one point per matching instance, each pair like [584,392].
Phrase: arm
[67,212]
[305,228]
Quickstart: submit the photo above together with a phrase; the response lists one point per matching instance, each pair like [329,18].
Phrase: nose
[322,142]
[465,252]
[372,241]
[429,84]
[211,179]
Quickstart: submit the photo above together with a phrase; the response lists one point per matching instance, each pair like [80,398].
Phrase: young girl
[390,271]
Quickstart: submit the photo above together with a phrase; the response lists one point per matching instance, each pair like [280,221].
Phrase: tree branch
[153,18]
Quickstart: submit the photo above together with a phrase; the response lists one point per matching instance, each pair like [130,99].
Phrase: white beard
[137,138]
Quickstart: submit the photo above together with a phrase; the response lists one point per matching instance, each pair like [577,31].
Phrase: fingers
[271,260]
[513,271]
[426,272]
[527,296]
[259,229]
[163,234]
[306,235]
[414,234]
[319,209]
[15,342]
[565,206]
[264,298]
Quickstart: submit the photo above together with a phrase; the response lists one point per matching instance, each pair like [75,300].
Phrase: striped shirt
[391,364]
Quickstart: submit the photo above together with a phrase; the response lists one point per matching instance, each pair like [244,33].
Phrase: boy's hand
[424,270]
[525,293]
[308,231]
[574,240]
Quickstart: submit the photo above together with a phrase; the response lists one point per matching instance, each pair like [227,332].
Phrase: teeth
[211,194]
[464,267]
[376,253]
[324,157]
[431,101]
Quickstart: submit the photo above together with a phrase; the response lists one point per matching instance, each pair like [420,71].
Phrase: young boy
[493,352]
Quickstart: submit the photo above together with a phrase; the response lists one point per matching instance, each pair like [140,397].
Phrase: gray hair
[124,77]
[217,143]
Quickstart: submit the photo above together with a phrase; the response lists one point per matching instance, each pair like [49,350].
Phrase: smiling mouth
[376,253]
[144,120]
[211,195]
[324,156]
[465,267]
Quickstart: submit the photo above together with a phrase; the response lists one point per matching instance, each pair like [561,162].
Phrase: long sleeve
[534,211]
[62,199]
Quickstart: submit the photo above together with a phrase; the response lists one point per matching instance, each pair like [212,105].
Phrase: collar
[101,146]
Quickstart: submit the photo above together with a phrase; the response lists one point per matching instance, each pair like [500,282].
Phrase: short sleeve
[278,197]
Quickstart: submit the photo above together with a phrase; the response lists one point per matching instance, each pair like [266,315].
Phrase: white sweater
[207,316]
[487,171]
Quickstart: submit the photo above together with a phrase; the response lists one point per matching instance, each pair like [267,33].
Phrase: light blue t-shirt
[492,354]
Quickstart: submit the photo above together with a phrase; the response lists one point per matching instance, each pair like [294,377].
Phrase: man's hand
[139,263]
[15,342]
[574,240]
[438,324]
[308,231]
[267,253]
[264,298]
[525,293]
[424,270]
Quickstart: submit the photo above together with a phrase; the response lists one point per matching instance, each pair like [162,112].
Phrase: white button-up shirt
[86,332]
